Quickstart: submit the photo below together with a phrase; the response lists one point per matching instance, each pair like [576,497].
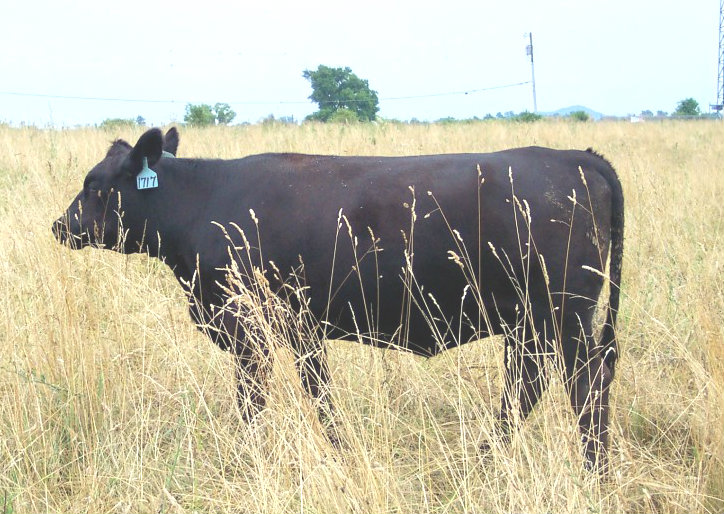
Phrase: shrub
[343,115]
[527,117]
[117,123]
[579,116]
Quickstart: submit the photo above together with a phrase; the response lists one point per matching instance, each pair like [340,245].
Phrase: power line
[255,102]
[91,98]
[452,93]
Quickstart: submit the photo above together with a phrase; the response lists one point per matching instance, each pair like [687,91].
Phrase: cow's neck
[176,212]
[182,213]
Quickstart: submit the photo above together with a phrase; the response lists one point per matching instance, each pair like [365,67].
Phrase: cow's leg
[252,369]
[588,380]
[524,380]
[252,360]
[314,373]
[315,378]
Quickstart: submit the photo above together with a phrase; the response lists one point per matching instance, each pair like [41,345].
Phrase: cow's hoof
[597,465]
[485,451]
[333,437]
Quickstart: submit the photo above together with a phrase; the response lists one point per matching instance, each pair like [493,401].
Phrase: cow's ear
[149,146]
[170,141]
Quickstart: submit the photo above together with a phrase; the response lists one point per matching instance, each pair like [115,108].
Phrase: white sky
[617,57]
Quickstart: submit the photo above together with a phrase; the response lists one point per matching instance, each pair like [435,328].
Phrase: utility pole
[529,51]
[720,77]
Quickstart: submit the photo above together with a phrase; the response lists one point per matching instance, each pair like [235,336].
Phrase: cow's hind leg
[524,380]
[588,380]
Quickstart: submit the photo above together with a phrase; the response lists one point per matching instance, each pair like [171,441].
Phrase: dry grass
[111,401]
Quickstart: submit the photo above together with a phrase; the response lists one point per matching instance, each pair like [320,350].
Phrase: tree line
[343,97]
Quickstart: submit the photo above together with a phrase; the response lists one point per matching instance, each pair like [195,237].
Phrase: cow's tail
[608,336]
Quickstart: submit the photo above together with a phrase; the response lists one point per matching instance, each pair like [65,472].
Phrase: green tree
[199,115]
[339,88]
[687,107]
[224,114]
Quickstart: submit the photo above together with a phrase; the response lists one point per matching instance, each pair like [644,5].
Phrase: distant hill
[565,111]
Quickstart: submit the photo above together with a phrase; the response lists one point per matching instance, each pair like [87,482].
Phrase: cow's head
[109,211]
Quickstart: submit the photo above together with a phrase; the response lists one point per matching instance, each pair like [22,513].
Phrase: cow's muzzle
[65,236]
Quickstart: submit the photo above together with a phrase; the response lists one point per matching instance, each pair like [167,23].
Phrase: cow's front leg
[253,364]
[314,373]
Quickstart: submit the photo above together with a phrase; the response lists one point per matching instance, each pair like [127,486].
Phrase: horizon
[562,114]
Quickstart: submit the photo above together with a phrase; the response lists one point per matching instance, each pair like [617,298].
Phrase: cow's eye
[94,193]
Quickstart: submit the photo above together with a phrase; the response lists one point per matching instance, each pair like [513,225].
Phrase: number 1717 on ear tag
[147,178]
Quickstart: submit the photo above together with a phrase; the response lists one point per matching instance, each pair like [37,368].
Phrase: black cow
[423,253]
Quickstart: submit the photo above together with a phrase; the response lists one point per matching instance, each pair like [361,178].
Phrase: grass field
[111,401]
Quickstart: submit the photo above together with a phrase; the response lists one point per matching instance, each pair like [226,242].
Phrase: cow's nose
[60,230]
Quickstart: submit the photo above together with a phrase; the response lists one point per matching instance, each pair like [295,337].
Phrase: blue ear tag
[147,178]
